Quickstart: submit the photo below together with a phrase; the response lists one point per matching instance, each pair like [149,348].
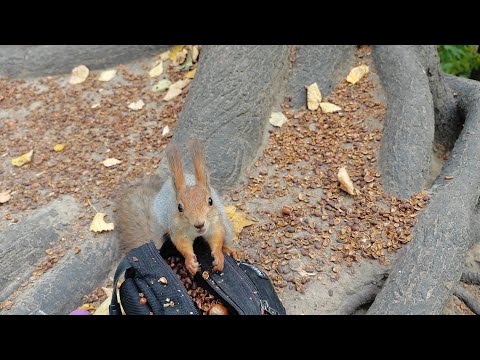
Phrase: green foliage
[459,60]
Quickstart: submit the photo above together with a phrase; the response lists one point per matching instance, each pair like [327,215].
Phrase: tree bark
[424,277]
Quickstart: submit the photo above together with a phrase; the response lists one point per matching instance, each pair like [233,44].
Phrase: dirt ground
[320,246]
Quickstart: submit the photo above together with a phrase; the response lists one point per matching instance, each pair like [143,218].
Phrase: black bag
[243,288]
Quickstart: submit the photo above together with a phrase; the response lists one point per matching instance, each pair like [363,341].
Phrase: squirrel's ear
[198,156]
[175,162]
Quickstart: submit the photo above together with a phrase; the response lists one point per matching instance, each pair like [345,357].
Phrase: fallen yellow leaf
[107,75]
[277,119]
[176,89]
[111,162]
[137,105]
[59,147]
[79,75]
[4,197]
[191,74]
[165,55]
[174,51]
[195,53]
[23,159]
[103,309]
[157,70]
[87,307]
[314,97]
[329,107]
[178,54]
[357,73]
[346,183]
[98,223]
[238,219]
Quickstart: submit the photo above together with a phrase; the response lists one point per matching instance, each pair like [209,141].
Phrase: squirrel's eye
[180,207]
[210,201]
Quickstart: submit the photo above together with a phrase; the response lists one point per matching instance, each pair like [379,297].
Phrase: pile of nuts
[207,303]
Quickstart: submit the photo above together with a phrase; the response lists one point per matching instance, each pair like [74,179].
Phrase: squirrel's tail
[134,216]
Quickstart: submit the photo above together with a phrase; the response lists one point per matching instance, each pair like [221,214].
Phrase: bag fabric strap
[114,308]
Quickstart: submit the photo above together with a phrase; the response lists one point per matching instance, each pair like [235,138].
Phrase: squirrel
[184,207]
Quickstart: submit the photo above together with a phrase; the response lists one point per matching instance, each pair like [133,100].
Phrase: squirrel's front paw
[236,254]
[192,265]
[218,261]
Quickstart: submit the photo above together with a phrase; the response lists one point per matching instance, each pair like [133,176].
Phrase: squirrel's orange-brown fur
[137,223]
[185,207]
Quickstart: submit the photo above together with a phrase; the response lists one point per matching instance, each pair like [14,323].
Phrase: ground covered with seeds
[306,229]
[315,227]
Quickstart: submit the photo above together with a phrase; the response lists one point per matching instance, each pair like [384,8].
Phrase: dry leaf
[165,131]
[178,54]
[277,119]
[188,62]
[107,75]
[23,159]
[49,251]
[161,85]
[157,70]
[314,97]
[329,107]
[59,147]
[87,307]
[95,106]
[79,75]
[238,219]
[175,50]
[4,197]
[111,162]
[346,183]
[172,93]
[176,89]
[104,307]
[191,74]
[165,55]
[137,105]
[76,250]
[195,53]
[357,73]
[99,225]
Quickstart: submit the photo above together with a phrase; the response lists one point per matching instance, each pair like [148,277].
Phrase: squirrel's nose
[199,226]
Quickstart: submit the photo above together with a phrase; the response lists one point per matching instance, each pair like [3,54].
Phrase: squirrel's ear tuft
[198,156]
[175,162]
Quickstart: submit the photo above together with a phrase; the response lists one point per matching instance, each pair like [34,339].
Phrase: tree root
[353,302]
[471,278]
[423,278]
[469,300]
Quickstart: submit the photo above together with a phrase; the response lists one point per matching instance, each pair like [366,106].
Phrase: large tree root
[355,301]
[424,277]
[467,298]
[409,125]
[471,278]
[324,64]
[229,104]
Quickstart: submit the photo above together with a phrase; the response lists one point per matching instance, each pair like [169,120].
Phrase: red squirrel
[184,207]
